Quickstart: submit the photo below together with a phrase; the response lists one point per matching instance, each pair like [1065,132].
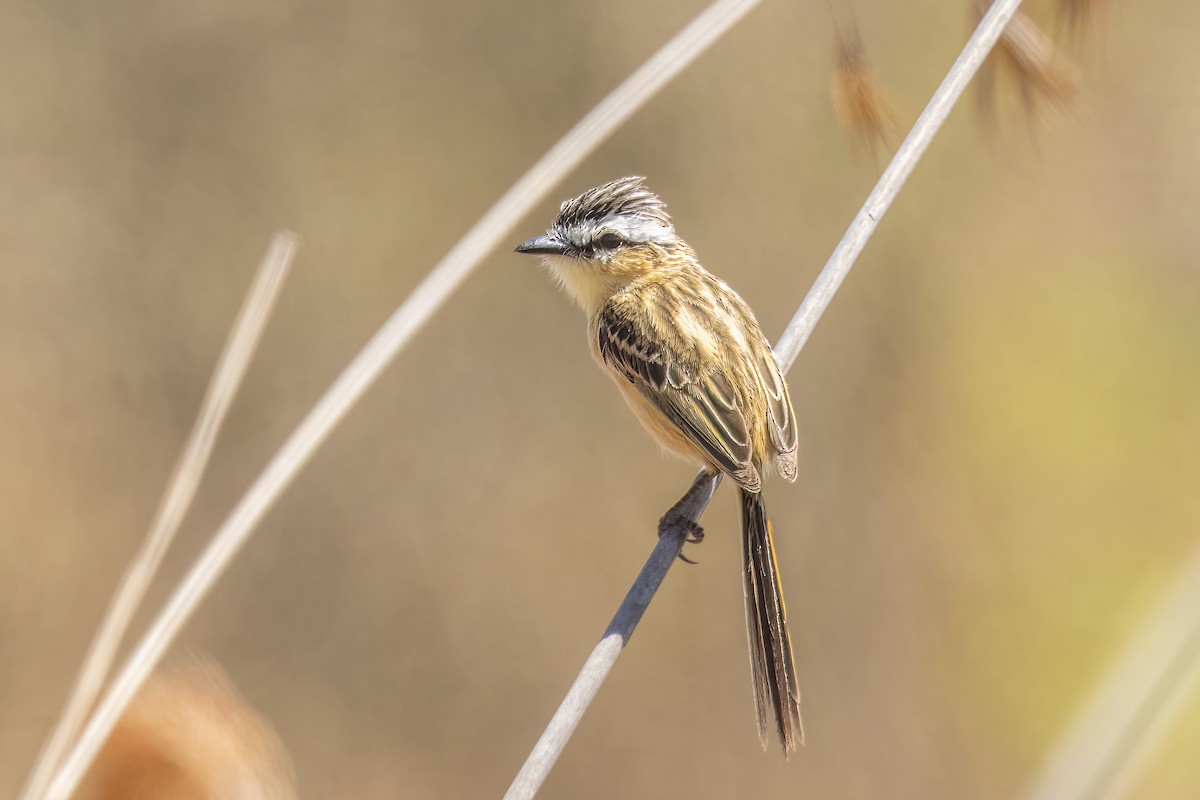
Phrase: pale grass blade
[1131,710]
[181,489]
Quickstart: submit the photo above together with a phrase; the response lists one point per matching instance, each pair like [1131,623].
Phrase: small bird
[688,356]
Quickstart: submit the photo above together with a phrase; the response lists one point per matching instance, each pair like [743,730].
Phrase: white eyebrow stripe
[638,229]
[630,227]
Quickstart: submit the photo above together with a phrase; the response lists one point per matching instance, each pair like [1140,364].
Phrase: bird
[688,356]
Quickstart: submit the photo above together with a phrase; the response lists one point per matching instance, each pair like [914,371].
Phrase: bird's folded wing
[781,419]
[700,403]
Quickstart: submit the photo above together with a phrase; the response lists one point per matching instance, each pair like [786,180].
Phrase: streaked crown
[601,220]
[623,199]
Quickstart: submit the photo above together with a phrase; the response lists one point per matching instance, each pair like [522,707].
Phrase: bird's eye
[610,241]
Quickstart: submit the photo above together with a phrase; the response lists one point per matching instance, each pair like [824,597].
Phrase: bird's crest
[626,196]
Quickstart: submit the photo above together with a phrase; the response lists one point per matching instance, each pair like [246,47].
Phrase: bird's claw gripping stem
[683,513]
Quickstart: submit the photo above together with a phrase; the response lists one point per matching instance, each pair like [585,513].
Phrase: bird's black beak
[545,245]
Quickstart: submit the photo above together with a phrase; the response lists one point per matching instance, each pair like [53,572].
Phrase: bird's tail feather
[771,656]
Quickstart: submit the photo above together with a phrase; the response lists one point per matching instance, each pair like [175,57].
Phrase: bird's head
[605,238]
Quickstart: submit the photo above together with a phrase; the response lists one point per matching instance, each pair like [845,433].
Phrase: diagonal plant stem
[583,691]
[396,332]
[602,659]
[1133,708]
[181,489]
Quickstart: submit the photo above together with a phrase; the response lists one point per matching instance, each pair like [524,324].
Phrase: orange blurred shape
[1079,13]
[858,100]
[189,735]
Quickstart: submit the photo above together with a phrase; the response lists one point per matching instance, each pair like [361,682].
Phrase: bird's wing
[702,404]
[781,419]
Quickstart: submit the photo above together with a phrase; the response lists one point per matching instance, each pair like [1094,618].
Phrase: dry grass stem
[604,657]
[190,734]
[181,489]
[902,164]
[396,332]
[562,725]
[1134,705]
[859,101]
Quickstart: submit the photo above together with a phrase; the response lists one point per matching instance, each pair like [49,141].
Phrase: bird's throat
[587,285]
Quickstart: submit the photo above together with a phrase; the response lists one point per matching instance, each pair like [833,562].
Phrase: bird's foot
[695,534]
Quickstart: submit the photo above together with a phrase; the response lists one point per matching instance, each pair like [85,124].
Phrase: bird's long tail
[766,626]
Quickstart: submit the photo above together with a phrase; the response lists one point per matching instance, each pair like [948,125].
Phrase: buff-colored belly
[657,425]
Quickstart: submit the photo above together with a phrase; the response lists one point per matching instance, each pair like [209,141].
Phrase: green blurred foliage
[1000,439]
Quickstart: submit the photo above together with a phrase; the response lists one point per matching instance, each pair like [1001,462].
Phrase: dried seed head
[1041,71]
[189,735]
[859,102]
[1081,13]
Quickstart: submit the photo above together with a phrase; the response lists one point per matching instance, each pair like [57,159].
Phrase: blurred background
[1000,443]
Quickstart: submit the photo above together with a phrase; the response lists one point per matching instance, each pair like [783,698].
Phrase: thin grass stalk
[554,739]
[604,657]
[863,226]
[1131,710]
[181,490]
[396,332]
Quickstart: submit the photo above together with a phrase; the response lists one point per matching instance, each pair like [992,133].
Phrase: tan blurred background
[1000,439]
